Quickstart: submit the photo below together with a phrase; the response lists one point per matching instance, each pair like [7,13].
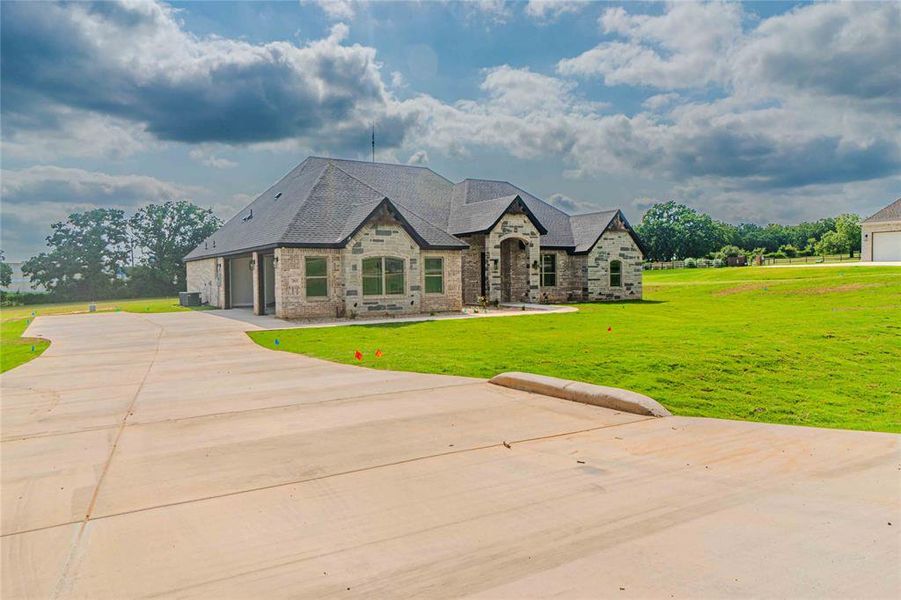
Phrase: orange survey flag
[358,355]
[378,353]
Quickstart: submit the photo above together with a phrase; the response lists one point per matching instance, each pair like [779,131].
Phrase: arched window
[616,273]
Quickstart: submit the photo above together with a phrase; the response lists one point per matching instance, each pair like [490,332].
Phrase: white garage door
[887,245]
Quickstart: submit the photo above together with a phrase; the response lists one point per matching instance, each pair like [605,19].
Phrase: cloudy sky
[756,112]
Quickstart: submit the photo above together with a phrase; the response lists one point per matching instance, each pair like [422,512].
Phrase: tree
[832,243]
[6,272]
[163,234]
[87,256]
[845,237]
[847,226]
[672,231]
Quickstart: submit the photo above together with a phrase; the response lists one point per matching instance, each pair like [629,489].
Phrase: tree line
[102,253]
[672,231]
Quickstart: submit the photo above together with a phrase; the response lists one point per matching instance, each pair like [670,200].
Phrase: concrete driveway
[168,455]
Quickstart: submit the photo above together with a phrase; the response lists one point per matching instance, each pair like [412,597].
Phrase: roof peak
[371,162]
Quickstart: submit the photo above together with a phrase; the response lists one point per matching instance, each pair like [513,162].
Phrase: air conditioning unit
[189,298]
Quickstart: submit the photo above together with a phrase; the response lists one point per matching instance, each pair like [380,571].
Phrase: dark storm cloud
[135,62]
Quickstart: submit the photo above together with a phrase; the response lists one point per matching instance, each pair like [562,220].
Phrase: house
[880,235]
[345,238]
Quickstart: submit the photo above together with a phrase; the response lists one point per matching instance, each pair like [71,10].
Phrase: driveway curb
[586,393]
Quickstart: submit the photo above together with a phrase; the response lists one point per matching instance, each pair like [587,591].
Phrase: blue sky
[755,112]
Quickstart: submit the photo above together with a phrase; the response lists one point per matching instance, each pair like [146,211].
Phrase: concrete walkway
[167,455]
[505,310]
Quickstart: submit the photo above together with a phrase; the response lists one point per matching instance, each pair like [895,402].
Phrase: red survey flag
[358,355]
[610,329]
[378,353]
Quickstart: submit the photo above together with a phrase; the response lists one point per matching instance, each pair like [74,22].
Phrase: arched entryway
[514,270]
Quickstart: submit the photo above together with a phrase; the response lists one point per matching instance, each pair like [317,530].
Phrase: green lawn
[15,350]
[817,346]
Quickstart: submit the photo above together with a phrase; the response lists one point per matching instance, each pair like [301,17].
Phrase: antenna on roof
[373,142]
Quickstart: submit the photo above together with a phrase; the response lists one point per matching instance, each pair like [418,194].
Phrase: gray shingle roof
[588,228]
[555,221]
[892,212]
[324,201]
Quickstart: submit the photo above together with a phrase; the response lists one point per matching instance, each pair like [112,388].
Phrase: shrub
[789,251]
[719,262]
[691,263]
[25,298]
[727,251]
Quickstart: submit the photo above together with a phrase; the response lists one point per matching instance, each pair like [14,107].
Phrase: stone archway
[514,270]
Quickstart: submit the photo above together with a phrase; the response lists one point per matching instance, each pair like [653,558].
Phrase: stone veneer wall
[203,277]
[570,278]
[472,266]
[452,298]
[382,238]
[512,226]
[614,245]
[290,285]
[866,236]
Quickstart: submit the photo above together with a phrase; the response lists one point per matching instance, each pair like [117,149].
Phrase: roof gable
[484,216]
[588,229]
[892,212]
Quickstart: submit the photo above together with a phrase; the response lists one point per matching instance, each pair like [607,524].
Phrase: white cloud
[35,197]
[659,101]
[207,157]
[397,80]
[549,10]
[48,183]
[495,11]
[841,51]
[688,46]
[420,157]
[62,131]
[336,10]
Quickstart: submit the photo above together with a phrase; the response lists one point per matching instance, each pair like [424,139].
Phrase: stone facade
[381,237]
[506,263]
[512,275]
[472,268]
[614,245]
[452,297]
[517,227]
[570,277]
[291,300]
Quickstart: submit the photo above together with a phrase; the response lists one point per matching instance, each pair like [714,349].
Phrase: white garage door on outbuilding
[887,246]
[881,235]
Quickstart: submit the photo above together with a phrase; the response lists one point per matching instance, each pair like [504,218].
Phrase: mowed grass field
[16,350]
[802,346]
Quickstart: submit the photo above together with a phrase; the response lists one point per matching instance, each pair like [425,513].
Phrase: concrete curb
[586,393]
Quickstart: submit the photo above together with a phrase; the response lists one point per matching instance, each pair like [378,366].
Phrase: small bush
[26,298]
[691,263]
[718,263]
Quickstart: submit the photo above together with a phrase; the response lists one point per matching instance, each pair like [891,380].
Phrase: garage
[887,246]
[240,277]
[880,235]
